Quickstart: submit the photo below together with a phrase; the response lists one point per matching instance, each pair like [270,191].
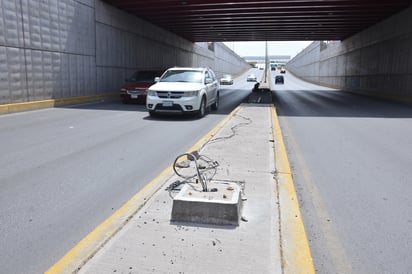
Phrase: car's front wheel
[215,105]
[202,108]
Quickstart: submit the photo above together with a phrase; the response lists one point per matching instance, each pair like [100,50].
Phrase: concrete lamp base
[219,207]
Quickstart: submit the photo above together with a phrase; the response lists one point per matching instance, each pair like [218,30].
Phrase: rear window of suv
[191,76]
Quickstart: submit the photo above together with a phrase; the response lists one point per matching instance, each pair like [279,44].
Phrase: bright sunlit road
[351,159]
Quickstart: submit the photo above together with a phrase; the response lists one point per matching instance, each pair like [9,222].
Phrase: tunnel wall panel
[376,61]
[56,49]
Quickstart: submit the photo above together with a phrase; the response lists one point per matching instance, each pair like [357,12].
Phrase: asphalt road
[65,170]
[351,159]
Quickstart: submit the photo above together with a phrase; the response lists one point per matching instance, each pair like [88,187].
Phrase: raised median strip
[153,243]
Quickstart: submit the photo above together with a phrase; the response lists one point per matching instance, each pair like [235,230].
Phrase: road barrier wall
[376,61]
[72,48]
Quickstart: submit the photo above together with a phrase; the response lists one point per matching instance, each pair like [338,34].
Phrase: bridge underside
[262,20]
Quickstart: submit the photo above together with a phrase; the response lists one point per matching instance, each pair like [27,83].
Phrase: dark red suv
[135,88]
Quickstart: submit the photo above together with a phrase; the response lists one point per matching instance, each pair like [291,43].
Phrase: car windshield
[227,76]
[192,76]
[144,76]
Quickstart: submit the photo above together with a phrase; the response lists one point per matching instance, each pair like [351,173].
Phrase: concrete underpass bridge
[57,52]
[83,186]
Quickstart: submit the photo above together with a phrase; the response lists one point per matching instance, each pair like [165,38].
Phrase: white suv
[184,90]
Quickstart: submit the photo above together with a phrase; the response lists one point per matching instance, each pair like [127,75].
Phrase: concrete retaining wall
[377,61]
[68,48]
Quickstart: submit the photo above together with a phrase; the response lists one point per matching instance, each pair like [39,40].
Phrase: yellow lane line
[337,255]
[295,250]
[85,249]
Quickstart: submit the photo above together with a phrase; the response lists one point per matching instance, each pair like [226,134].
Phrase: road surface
[65,170]
[351,158]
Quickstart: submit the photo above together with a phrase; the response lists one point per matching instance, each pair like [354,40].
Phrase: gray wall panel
[90,76]
[64,25]
[73,75]
[57,83]
[47,74]
[59,75]
[64,77]
[376,61]
[84,30]
[89,3]
[108,79]
[4,76]
[16,75]
[54,26]
[56,49]
[35,75]
[101,45]
[11,25]
[2,25]
[32,24]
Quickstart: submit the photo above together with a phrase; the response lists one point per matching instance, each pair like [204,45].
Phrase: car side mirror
[208,81]
[157,79]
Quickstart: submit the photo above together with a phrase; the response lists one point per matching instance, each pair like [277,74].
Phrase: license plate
[168,104]
[134,96]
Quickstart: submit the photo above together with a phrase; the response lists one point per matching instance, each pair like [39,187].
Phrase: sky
[274,48]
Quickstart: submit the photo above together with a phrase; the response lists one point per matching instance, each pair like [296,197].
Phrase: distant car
[184,90]
[135,88]
[279,79]
[226,80]
[282,70]
[251,78]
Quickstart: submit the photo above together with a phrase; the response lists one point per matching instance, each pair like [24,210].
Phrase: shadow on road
[229,100]
[331,103]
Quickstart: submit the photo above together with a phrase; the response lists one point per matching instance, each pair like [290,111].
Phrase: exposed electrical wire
[204,167]
[233,129]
